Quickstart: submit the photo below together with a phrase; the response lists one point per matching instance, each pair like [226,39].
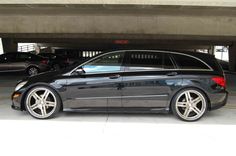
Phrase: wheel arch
[190,87]
[31,65]
[36,85]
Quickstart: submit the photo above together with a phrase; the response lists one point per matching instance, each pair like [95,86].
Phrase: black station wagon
[128,81]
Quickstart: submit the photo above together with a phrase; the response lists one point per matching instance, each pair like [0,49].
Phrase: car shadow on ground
[222,116]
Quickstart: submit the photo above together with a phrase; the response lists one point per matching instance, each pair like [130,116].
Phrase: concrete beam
[224,3]
[128,24]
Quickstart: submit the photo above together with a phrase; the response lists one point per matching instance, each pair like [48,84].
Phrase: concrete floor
[114,134]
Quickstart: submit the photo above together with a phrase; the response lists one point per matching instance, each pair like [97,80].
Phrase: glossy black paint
[126,91]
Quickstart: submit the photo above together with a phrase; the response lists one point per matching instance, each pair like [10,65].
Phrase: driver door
[99,83]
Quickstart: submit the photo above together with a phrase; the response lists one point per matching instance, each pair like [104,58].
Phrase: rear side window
[147,61]
[29,57]
[23,57]
[187,62]
[144,61]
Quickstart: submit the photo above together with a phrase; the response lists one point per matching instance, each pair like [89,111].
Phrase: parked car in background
[20,61]
[128,81]
[56,62]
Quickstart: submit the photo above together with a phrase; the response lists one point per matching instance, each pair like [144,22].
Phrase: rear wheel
[189,104]
[42,102]
[31,71]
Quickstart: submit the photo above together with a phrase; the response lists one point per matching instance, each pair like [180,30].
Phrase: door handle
[116,76]
[172,74]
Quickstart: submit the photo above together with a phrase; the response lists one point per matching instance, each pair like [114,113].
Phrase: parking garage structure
[108,25]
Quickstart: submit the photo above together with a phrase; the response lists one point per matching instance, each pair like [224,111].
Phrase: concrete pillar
[232,57]
[37,48]
[9,45]
[211,50]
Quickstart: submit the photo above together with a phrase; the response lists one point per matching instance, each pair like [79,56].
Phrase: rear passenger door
[148,79]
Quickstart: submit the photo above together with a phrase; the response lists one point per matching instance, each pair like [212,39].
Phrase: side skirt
[117,110]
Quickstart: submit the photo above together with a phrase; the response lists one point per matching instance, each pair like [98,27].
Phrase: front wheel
[189,104]
[42,102]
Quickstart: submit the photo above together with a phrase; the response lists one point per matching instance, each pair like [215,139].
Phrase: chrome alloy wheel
[41,103]
[190,105]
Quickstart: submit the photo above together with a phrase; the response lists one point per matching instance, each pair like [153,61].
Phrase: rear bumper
[221,101]
[43,68]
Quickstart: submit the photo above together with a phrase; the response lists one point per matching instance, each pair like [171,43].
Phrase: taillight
[220,81]
[44,61]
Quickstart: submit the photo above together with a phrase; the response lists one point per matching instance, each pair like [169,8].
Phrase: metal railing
[26,48]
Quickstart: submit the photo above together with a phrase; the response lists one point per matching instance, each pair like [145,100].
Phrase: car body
[56,62]
[136,81]
[20,61]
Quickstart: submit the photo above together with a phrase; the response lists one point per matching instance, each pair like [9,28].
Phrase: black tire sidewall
[173,103]
[58,99]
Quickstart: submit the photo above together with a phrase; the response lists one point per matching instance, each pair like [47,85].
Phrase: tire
[189,104]
[31,71]
[42,102]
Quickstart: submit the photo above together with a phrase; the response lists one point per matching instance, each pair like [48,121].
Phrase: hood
[43,77]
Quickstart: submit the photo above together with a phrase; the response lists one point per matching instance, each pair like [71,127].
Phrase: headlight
[20,85]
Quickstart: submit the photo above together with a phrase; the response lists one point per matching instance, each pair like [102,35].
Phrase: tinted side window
[186,62]
[144,61]
[10,57]
[23,57]
[108,63]
[35,57]
[168,64]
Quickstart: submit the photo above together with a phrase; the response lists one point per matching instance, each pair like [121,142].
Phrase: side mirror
[78,71]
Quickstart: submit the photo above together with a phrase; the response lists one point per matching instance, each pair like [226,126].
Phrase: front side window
[144,61]
[187,62]
[108,63]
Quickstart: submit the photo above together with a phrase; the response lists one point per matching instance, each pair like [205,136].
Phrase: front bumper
[16,101]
